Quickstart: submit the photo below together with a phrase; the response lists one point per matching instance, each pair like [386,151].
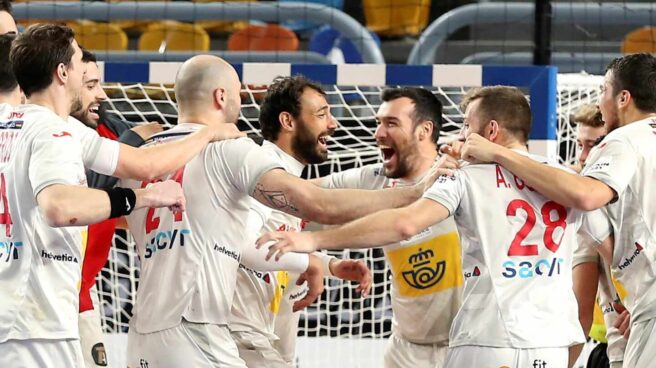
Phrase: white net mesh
[339,312]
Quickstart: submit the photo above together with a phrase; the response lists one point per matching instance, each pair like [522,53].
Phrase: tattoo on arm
[276,199]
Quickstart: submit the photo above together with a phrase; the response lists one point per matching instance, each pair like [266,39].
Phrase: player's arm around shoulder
[566,188]
[300,198]
[152,162]
[380,228]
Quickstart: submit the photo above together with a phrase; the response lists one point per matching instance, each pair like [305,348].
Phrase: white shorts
[641,347]
[489,357]
[91,336]
[401,353]
[41,353]
[258,351]
[186,345]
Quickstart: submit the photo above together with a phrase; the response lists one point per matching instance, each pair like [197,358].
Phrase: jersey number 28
[519,249]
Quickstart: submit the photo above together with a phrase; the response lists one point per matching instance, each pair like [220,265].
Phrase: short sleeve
[55,159]
[366,177]
[448,191]
[596,226]
[98,154]
[584,251]
[241,162]
[613,163]
[258,216]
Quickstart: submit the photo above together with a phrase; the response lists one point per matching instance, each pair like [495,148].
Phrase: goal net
[339,312]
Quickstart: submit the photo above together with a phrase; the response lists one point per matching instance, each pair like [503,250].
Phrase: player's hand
[147,130]
[435,172]
[447,162]
[226,131]
[623,321]
[353,270]
[314,278]
[165,194]
[453,149]
[281,242]
[478,149]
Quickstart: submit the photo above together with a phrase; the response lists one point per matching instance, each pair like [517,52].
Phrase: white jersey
[189,261]
[585,252]
[426,269]
[626,161]
[99,154]
[517,248]
[39,265]
[259,294]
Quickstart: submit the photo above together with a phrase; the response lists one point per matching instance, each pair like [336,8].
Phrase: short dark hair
[36,53]
[88,56]
[507,105]
[7,79]
[636,73]
[427,106]
[283,95]
[5,5]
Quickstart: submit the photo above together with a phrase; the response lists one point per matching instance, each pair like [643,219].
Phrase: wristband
[121,201]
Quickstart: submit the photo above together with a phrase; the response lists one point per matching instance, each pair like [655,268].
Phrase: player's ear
[62,73]
[493,130]
[286,121]
[220,97]
[424,129]
[624,98]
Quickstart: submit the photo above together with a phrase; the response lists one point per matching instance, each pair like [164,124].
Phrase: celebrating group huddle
[480,239]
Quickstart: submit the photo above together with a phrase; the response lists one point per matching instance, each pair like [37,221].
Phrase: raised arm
[68,205]
[152,162]
[380,228]
[570,190]
[300,198]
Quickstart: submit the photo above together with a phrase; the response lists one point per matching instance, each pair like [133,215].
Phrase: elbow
[322,215]
[583,200]
[54,213]
[145,172]
[405,228]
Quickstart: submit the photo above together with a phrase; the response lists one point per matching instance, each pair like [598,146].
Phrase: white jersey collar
[292,165]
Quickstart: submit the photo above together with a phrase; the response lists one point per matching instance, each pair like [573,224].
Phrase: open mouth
[323,139]
[388,153]
[93,111]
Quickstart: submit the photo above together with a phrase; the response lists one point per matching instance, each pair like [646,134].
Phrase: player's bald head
[199,77]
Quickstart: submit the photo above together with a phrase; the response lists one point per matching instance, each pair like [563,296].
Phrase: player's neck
[634,115]
[51,99]
[205,118]
[284,142]
[424,161]
[13,98]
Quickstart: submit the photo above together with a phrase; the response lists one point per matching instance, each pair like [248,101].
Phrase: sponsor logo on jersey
[11,124]
[629,260]
[58,257]
[99,355]
[539,363]
[165,240]
[62,134]
[428,266]
[264,276]
[599,166]
[10,250]
[228,252]
[543,267]
[425,272]
[473,273]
